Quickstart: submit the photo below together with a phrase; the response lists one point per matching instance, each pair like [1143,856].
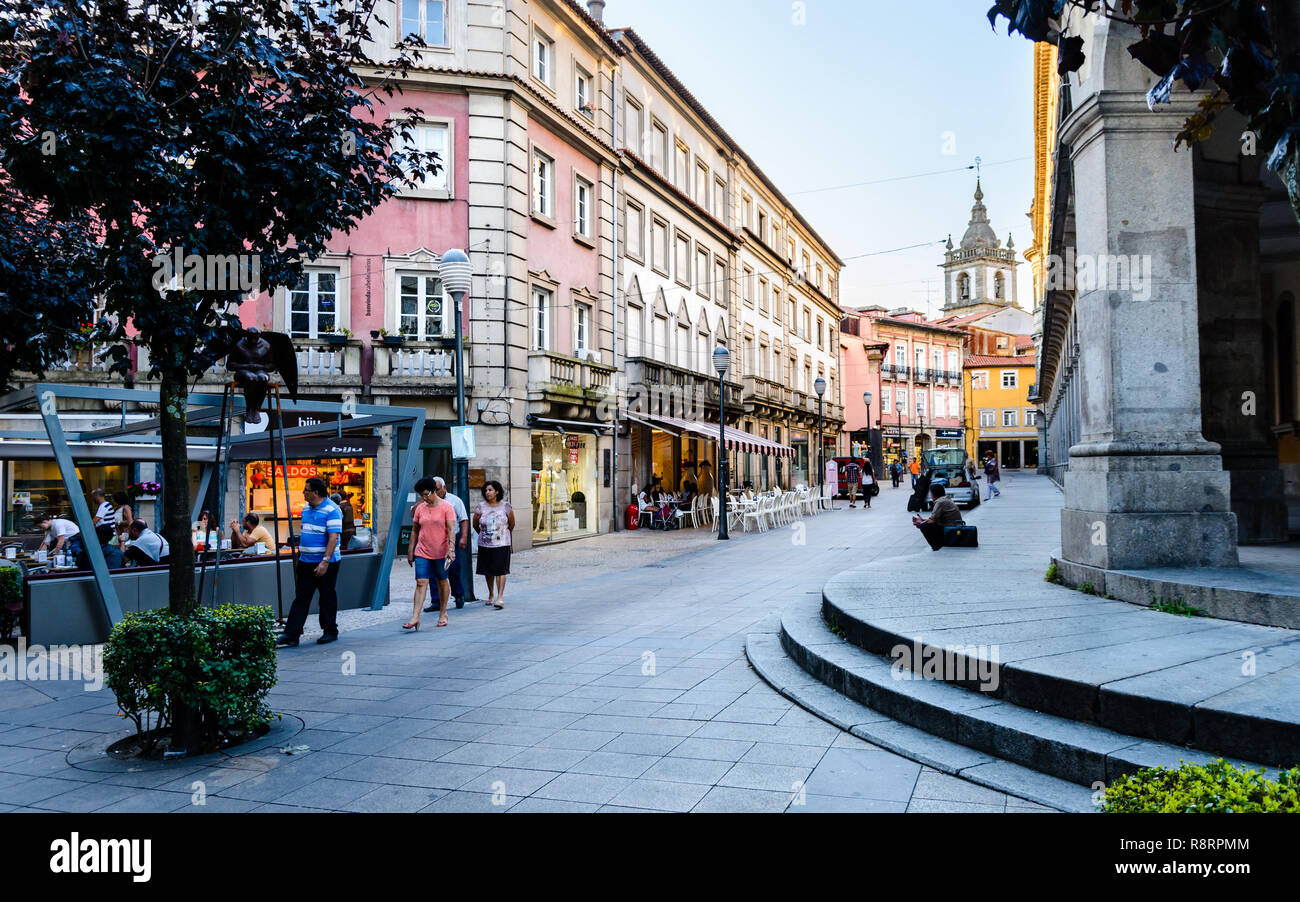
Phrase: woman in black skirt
[494,519]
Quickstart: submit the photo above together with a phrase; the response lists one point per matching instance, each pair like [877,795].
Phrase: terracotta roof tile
[979,360]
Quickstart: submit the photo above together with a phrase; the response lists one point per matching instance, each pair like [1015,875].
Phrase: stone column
[1144,488]
[1233,379]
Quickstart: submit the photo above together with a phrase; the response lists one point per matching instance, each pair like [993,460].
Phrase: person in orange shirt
[916,470]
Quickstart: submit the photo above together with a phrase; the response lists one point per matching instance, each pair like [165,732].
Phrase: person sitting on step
[945,513]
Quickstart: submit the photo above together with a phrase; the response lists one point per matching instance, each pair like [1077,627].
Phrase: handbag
[874,489]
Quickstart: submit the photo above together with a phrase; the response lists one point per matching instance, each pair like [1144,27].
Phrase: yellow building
[999,417]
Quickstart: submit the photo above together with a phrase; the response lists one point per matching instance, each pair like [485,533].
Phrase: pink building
[861,355]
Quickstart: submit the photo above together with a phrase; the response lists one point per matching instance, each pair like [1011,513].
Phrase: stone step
[977,734]
[1227,688]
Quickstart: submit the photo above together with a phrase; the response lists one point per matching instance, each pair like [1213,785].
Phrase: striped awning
[737,440]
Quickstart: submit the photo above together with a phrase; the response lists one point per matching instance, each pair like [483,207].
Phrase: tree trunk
[174,396]
[187,726]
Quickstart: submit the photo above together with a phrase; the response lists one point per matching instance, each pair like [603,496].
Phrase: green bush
[1087,588]
[1053,575]
[219,661]
[11,599]
[1195,788]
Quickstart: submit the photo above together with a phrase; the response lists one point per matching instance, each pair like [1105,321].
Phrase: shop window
[564,485]
[35,487]
[353,476]
[313,304]
[422,314]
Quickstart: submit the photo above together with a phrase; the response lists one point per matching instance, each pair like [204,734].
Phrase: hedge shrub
[219,660]
[1195,788]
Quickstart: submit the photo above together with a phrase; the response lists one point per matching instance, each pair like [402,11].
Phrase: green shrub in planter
[1195,788]
[220,661]
[11,599]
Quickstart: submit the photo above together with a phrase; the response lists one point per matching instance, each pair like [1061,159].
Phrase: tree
[237,136]
[1247,50]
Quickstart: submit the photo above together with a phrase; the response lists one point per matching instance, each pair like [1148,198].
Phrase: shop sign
[21,499]
[310,448]
[948,433]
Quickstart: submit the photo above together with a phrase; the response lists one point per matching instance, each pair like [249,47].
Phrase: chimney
[597,10]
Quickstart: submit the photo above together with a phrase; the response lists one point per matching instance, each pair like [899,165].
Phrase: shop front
[665,457]
[565,485]
[948,438]
[799,465]
[346,464]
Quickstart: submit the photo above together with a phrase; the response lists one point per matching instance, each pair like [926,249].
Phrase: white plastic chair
[645,510]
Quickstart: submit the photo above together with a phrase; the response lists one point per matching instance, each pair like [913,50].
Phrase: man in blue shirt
[318,565]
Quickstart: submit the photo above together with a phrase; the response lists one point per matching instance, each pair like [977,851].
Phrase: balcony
[898,372]
[921,374]
[569,386]
[663,385]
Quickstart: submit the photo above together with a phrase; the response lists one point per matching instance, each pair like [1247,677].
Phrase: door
[1010,458]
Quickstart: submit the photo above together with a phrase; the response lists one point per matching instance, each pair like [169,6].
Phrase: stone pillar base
[1132,510]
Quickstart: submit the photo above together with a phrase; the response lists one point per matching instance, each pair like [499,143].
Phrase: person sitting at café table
[146,547]
[252,533]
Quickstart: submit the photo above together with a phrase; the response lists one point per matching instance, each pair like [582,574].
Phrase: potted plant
[339,336]
[389,339]
[140,490]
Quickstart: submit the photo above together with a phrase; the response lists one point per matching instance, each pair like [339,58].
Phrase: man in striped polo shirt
[318,565]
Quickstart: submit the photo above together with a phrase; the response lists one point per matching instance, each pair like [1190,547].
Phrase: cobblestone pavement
[614,680]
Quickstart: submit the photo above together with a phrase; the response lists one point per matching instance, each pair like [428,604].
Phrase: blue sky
[864,91]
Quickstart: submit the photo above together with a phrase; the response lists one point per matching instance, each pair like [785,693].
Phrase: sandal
[498,605]
[412,625]
[441,622]
[489,603]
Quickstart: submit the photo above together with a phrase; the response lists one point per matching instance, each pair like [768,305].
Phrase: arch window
[963,286]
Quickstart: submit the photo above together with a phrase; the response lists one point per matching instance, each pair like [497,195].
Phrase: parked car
[842,489]
[947,466]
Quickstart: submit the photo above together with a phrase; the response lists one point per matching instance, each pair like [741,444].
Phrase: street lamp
[721,363]
[457,280]
[819,386]
[866,399]
[920,415]
[898,406]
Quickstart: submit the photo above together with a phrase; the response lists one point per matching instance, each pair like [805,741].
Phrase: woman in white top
[868,480]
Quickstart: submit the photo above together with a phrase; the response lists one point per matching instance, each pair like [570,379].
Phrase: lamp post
[866,399]
[898,406]
[920,415]
[721,363]
[457,280]
[819,386]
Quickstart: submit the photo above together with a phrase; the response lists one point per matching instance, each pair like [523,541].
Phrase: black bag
[874,489]
[963,536]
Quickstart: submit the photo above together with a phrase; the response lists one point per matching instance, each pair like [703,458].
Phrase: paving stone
[484,753]
[456,730]
[149,801]
[792,755]
[775,777]
[730,800]
[516,783]
[715,749]
[688,770]
[392,799]
[863,774]
[817,804]
[326,793]
[943,787]
[540,758]
[614,764]
[573,787]
[643,744]
[658,795]
[536,805]
[941,806]
[85,797]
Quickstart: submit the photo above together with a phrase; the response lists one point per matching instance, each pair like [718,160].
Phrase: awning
[18,449]
[737,440]
[311,448]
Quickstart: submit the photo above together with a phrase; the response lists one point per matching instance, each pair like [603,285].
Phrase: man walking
[460,579]
[853,475]
[991,476]
[896,472]
[916,470]
[318,565]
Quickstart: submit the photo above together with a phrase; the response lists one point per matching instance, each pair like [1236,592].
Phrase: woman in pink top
[433,523]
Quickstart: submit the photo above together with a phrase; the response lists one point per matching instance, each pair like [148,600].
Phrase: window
[940,404]
[762,225]
[1002,342]
[719,292]
[952,361]
[762,294]
[1031,416]
[988,418]
[543,59]
[764,360]
[747,287]
[886,400]
[543,185]
[980,379]
[1011,418]
[421,311]
[922,397]
[634,137]
[749,362]
[821,333]
[719,199]
[900,354]
[584,195]
[659,245]
[431,137]
[807,265]
[683,345]
[682,172]
[313,304]
[659,147]
[582,93]
[900,404]
[997,286]
[819,277]
[635,322]
[659,350]
[581,329]
[938,360]
[541,319]
[1009,378]
[427,19]
[831,289]
[682,246]
[746,212]
[791,317]
[634,231]
[789,251]
[807,325]
[920,362]
[702,185]
[702,270]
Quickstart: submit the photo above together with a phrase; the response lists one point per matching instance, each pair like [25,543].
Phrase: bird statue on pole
[253,358]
